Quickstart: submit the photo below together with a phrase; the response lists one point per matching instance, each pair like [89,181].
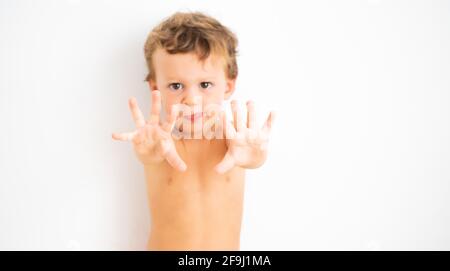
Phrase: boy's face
[184,79]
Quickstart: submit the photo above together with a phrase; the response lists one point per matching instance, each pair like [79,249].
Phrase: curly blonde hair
[192,32]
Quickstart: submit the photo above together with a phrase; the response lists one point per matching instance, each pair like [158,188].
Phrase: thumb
[226,164]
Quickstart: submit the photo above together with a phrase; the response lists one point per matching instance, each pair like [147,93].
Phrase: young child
[195,183]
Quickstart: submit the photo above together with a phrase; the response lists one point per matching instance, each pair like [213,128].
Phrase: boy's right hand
[152,140]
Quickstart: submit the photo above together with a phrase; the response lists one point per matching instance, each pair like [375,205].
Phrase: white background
[360,154]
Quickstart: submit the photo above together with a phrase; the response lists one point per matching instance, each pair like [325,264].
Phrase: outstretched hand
[247,143]
[152,139]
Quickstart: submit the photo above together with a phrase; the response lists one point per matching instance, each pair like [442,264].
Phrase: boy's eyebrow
[201,79]
[208,78]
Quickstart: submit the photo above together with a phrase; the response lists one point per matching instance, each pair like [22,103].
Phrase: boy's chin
[197,130]
[193,133]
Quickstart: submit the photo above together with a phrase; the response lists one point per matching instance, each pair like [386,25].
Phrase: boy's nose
[192,97]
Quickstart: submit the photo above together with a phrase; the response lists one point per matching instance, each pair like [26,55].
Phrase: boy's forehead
[186,65]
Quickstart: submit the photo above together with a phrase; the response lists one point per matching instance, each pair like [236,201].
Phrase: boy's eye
[205,85]
[175,86]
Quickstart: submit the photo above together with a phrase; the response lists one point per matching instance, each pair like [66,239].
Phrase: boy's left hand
[247,143]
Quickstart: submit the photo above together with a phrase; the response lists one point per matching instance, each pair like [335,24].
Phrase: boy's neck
[201,148]
[200,144]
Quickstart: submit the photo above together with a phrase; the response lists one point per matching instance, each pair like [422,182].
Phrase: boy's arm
[247,144]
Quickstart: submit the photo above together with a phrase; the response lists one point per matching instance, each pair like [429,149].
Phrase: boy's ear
[231,83]
[152,85]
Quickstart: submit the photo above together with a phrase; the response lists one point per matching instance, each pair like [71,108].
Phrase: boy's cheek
[215,98]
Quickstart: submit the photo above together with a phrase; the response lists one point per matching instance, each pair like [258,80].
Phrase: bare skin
[195,186]
[198,209]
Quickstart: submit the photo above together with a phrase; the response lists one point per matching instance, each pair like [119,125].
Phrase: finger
[238,125]
[269,122]
[171,118]
[156,107]
[124,136]
[174,159]
[226,164]
[228,128]
[251,117]
[136,112]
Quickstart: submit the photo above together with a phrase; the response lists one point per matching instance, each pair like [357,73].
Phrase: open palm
[152,139]
[247,144]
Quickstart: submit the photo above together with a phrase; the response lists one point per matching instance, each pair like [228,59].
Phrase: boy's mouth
[194,117]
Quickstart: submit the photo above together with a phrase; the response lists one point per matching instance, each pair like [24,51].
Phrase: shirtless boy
[195,182]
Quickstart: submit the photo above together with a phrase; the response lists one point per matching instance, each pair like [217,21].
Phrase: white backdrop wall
[360,153]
